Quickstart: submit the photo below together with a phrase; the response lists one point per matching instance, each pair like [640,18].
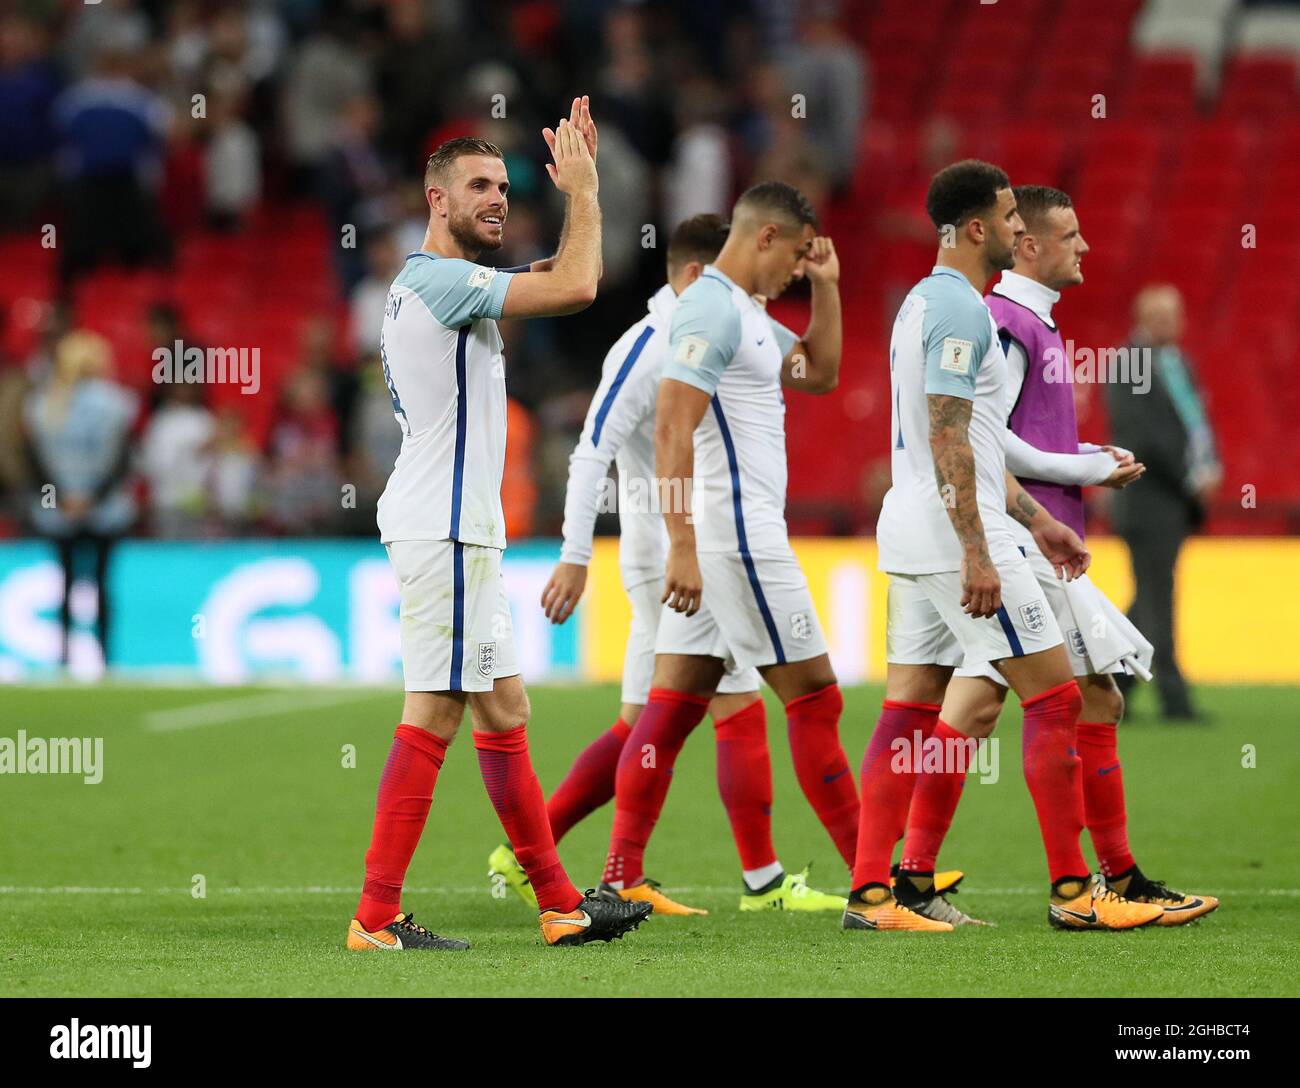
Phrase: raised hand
[822,264]
[580,118]
[573,170]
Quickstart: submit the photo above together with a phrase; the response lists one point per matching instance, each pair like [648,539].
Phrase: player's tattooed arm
[1020,506]
[1056,540]
[954,473]
[678,412]
[813,364]
[954,467]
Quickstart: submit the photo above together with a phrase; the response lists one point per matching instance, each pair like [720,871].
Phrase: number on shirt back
[398,411]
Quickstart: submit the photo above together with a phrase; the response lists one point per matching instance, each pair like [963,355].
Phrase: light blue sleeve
[956,333]
[458,291]
[704,336]
[785,339]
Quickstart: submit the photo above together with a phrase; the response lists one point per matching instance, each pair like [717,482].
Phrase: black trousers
[1154,556]
[85,550]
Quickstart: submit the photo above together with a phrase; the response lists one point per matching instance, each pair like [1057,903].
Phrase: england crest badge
[487,658]
[1034,616]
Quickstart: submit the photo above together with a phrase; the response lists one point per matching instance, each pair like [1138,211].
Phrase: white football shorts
[639,658]
[926,624]
[1071,625]
[455,619]
[756,612]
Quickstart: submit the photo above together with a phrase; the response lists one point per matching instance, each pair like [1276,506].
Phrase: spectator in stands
[699,177]
[1165,425]
[233,474]
[366,303]
[830,73]
[303,470]
[78,427]
[232,162]
[376,440]
[353,183]
[29,85]
[175,459]
[112,133]
[326,73]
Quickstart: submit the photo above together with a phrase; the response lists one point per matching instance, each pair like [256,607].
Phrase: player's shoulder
[950,301]
[424,271]
[709,301]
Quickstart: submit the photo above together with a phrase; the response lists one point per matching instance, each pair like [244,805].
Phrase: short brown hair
[1033,202]
[699,238]
[435,170]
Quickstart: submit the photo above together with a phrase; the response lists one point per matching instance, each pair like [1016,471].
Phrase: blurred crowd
[137,126]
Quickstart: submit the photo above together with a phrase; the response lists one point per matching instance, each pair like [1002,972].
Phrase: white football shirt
[441,354]
[944,342]
[725,344]
[620,428]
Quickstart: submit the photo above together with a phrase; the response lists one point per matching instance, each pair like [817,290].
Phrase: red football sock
[745,783]
[405,790]
[590,781]
[813,722]
[1053,772]
[934,800]
[886,793]
[516,795]
[644,770]
[1103,796]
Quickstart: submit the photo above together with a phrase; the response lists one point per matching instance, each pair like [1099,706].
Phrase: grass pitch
[247,791]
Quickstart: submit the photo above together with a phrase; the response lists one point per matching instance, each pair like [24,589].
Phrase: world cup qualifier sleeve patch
[1035,616]
[690,351]
[956,355]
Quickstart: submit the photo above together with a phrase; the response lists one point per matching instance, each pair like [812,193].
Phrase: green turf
[96,896]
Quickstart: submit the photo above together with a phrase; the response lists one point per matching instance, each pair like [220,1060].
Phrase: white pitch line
[263,705]
[481,889]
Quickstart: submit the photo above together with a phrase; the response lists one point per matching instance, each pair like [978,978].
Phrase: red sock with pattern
[887,793]
[1103,796]
[644,771]
[934,800]
[405,791]
[590,781]
[1054,775]
[813,722]
[516,795]
[745,783]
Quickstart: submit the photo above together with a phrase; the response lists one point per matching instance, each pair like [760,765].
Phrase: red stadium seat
[1260,87]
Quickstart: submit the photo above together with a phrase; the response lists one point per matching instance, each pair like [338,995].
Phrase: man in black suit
[1156,412]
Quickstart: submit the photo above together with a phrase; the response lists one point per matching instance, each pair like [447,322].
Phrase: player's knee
[982,721]
[1102,701]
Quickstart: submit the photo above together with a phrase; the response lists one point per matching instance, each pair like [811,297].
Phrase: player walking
[720,423]
[620,428]
[441,521]
[959,584]
[1043,449]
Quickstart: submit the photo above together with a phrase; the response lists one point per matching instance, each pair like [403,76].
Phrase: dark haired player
[959,585]
[1044,452]
[440,519]
[735,592]
[620,428]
